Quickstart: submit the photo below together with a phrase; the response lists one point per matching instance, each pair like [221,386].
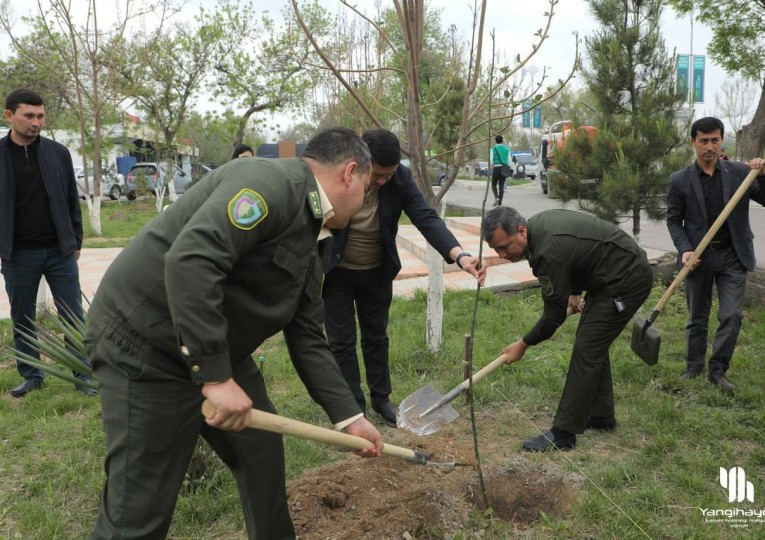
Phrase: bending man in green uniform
[570,253]
[232,262]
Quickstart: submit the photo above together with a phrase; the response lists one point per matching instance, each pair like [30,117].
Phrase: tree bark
[751,138]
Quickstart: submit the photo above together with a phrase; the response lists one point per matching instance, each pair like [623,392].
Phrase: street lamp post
[532,71]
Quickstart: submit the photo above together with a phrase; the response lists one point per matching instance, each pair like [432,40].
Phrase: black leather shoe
[27,386]
[690,374]
[547,441]
[602,423]
[87,390]
[386,411]
[719,380]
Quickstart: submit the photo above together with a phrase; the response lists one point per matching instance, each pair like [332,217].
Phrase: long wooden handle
[737,196]
[484,371]
[287,426]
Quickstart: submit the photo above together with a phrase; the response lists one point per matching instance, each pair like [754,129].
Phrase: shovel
[287,426]
[426,411]
[645,339]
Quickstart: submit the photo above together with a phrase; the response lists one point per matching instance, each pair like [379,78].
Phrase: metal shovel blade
[410,409]
[646,341]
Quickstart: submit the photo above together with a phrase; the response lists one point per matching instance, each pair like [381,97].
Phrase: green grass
[120,221]
[659,467]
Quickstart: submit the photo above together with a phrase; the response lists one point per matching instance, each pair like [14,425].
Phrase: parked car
[481,168]
[436,171]
[154,175]
[525,165]
[111,184]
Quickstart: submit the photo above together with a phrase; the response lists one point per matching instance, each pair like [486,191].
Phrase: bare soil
[389,498]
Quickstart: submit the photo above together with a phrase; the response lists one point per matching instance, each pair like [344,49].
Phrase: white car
[111,185]
[525,165]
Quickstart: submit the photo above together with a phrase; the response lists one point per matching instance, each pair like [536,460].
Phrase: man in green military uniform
[571,253]
[232,262]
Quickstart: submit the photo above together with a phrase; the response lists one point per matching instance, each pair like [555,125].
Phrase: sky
[514,23]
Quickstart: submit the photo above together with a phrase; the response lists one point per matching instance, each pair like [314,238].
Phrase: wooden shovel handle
[481,373]
[737,196]
[287,426]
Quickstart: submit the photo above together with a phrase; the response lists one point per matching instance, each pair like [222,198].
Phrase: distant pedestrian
[40,227]
[500,155]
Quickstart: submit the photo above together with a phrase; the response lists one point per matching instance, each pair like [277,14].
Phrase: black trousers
[589,390]
[152,419]
[498,183]
[368,294]
[723,269]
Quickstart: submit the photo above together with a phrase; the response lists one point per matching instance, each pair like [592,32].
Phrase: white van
[525,165]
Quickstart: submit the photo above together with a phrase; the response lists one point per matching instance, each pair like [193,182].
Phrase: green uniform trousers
[589,390]
[152,419]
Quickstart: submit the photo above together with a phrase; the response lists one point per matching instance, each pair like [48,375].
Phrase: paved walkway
[501,275]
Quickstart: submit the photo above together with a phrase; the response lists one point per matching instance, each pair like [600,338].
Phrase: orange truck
[554,140]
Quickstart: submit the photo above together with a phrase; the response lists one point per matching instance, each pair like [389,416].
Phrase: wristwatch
[463,254]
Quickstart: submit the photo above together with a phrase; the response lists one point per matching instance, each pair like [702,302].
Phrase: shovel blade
[646,341]
[410,409]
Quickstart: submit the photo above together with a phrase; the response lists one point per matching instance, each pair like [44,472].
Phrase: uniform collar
[326,211]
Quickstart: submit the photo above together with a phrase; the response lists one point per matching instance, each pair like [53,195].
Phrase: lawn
[650,479]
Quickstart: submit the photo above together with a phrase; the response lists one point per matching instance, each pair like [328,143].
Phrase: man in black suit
[364,262]
[697,195]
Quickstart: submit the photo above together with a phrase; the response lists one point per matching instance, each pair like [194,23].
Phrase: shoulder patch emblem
[545,283]
[315,202]
[247,209]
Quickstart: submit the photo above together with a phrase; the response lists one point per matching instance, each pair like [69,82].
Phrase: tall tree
[409,67]
[212,135]
[163,71]
[259,66]
[631,79]
[738,45]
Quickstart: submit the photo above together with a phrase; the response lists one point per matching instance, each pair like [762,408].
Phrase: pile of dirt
[388,498]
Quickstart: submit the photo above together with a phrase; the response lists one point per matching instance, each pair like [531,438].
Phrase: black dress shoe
[87,390]
[27,386]
[548,440]
[719,380]
[386,411]
[602,423]
[691,374]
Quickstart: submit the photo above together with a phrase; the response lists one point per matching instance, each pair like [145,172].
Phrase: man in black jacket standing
[40,225]
[364,263]
[696,197]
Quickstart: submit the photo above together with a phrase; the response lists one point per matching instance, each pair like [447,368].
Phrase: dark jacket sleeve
[425,218]
[677,200]
[73,199]
[555,287]
[312,357]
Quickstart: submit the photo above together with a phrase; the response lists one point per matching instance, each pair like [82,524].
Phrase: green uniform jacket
[571,252]
[231,263]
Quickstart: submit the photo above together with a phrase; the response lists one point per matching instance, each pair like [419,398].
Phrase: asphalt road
[529,200]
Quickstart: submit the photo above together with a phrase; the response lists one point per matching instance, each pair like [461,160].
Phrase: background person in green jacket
[570,253]
[232,262]
[500,155]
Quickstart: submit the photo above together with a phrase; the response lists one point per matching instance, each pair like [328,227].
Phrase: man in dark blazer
[364,262]
[696,197]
